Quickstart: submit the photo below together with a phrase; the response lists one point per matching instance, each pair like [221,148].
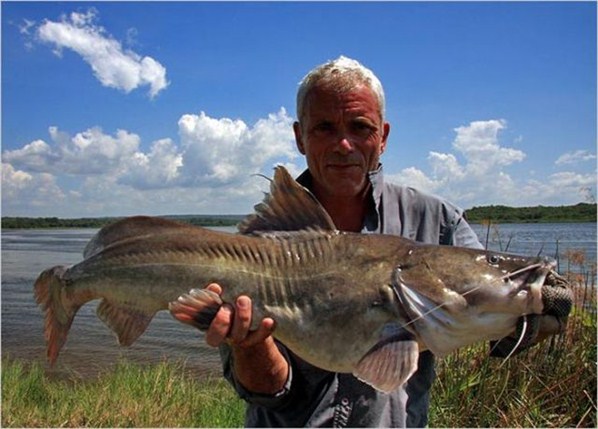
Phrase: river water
[91,347]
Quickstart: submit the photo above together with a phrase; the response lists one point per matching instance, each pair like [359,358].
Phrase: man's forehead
[360,97]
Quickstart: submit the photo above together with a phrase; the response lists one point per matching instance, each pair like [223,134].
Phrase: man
[342,133]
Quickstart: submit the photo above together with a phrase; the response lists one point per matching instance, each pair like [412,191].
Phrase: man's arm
[257,364]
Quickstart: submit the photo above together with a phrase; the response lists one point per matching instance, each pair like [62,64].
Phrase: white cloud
[223,151]
[87,153]
[26,26]
[482,177]
[20,188]
[575,157]
[112,65]
[157,169]
[209,170]
[416,178]
[478,142]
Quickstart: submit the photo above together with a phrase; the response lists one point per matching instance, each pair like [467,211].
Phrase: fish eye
[493,259]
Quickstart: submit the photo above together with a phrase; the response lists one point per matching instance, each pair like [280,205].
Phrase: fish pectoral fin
[389,364]
[196,308]
[127,322]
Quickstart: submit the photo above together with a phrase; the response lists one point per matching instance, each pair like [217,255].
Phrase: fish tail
[196,308]
[60,309]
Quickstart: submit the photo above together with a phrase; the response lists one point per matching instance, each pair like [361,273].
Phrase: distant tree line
[582,212]
[55,222]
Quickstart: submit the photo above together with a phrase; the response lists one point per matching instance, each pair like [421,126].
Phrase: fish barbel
[330,293]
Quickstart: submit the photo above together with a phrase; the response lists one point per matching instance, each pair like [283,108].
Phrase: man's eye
[324,126]
[363,127]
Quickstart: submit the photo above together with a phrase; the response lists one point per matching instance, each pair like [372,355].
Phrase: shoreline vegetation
[582,212]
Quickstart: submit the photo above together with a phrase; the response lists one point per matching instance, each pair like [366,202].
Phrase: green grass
[551,385]
[130,396]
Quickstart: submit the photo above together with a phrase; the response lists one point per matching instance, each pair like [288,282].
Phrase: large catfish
[330,293]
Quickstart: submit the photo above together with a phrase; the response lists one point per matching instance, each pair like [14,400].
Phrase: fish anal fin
[196,308]
[127,323]
[288,207]
[389,364]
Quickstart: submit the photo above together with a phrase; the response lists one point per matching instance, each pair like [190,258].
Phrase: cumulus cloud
[222,151]
[478,142]
[209,168]
[212,152]
[112,65]
[157,169]
[575,157]
[481,176]
[20,188]
[90,152]
[214,161]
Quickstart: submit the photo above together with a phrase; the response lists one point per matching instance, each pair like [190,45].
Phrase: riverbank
[551,385]
[581,212]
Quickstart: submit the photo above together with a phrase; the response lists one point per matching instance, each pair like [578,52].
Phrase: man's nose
[344,145]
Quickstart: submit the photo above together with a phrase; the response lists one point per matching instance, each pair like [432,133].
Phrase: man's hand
[258,364]
[232,324]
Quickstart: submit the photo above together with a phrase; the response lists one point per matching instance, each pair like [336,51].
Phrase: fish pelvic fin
[59,308]
[288,207]
[390,363]
[196,308]
[126,322]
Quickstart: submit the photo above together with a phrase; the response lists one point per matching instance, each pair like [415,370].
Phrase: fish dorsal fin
[128,228]
[288,207]
[389,364]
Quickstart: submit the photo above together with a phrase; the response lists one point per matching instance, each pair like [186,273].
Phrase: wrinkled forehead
[324,97]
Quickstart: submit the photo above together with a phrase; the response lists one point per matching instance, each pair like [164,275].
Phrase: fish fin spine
[288,207]
[59,307]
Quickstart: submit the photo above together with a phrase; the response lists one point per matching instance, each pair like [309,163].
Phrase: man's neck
[347,213]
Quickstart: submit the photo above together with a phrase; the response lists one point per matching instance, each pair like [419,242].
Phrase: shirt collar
[372,219]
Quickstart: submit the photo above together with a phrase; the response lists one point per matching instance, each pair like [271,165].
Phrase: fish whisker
[521,336]
[522,270]
[437,307]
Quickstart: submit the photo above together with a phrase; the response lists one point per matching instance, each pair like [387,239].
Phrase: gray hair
[342,74]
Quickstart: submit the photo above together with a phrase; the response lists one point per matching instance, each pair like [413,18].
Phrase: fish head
[456,296]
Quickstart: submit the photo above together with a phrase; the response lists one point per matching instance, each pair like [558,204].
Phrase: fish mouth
[529,281]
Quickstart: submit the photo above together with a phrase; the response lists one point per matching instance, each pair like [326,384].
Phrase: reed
[552,384]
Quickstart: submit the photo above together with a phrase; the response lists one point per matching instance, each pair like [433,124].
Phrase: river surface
[91,347]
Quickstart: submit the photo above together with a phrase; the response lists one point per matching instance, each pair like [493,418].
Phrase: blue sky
[112,109]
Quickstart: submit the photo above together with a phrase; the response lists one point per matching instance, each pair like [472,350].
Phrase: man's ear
[386,132]
[298,137]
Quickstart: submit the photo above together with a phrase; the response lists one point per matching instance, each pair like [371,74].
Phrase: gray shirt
[317,398]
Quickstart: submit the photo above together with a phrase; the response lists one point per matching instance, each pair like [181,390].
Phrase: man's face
[342,137]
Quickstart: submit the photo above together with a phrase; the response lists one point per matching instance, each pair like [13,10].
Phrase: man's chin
[346,182]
